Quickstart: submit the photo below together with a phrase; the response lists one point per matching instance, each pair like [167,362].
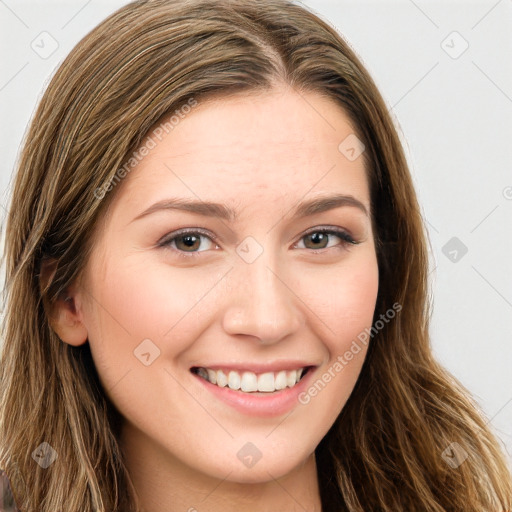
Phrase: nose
[261,302]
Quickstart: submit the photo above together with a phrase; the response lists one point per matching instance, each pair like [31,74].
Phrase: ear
[65,314]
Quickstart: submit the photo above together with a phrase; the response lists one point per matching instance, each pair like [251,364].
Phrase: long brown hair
[385,450]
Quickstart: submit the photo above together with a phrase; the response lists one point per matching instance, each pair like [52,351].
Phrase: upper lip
[257,367]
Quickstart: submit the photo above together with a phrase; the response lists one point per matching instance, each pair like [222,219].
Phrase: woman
[216,276]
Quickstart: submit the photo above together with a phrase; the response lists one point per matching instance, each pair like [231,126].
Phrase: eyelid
[333,230]
[185,231]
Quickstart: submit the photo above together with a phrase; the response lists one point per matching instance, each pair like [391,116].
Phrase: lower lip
[262,405]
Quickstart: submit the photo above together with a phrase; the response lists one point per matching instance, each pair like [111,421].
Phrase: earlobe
[66,322]
[64,314]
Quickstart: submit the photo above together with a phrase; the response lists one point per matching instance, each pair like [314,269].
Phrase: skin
[259,154]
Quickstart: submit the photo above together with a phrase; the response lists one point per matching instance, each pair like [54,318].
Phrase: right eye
[187,241]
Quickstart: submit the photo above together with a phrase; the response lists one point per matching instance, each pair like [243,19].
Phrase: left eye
[191,241]
[320,237]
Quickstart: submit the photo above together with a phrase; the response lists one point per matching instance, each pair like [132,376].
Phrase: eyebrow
[221,211]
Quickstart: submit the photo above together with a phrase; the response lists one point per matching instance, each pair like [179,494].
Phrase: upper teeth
[249,381]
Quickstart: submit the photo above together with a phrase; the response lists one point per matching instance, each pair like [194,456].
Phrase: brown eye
[317,240]
[190,242]
[321,239]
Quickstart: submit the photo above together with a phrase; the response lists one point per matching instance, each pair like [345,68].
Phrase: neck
[164,484]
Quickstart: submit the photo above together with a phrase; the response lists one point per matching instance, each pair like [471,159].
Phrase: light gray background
[454,112]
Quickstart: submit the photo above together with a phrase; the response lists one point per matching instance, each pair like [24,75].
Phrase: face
[266,288]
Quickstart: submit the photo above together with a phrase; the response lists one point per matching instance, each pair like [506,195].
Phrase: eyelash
[345,238]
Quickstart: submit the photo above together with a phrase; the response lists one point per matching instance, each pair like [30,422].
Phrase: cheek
[144,300]
[131,303]
[354,306]
[346,307]
[343,298]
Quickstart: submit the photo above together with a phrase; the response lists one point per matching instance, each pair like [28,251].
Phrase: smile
[250,382]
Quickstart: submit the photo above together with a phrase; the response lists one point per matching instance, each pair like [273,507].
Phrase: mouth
[250,382]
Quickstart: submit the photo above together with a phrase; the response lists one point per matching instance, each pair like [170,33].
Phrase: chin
[268,465]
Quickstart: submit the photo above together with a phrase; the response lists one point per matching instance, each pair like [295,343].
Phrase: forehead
[250,148]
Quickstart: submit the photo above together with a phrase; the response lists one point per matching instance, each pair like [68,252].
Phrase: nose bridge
[261,304]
